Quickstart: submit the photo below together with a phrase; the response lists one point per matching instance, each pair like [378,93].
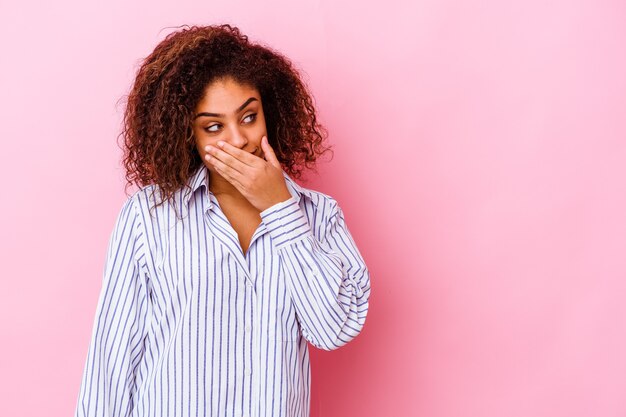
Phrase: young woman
[220,268]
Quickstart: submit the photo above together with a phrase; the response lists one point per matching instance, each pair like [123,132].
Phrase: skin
[233,145]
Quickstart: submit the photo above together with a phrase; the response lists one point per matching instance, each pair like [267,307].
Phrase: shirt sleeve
[117,340]
[327,278]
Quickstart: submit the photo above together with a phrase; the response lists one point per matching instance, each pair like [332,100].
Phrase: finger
[270,156]
[231,175]
[225,158]
[243,156]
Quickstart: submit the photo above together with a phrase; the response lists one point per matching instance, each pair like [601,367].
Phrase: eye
[253,115]
[209,128]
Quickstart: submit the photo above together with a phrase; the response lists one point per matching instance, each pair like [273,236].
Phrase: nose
[237,138]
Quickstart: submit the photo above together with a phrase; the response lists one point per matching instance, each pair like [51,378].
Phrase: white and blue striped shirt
[187,325]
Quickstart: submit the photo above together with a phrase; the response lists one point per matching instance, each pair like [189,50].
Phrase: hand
[259,180]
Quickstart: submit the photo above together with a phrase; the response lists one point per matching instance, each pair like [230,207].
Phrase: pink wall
[480,159]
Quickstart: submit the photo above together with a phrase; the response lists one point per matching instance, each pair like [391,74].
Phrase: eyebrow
[248,101]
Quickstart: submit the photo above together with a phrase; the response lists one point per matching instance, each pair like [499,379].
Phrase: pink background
[480,159]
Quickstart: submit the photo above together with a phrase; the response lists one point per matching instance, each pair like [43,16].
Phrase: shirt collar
[201,178]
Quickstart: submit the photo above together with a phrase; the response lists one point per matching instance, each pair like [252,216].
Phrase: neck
[220,186]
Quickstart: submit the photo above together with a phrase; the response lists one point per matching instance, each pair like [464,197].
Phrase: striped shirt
[188,325]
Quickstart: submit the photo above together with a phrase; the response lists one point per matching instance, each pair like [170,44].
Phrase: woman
[220,268]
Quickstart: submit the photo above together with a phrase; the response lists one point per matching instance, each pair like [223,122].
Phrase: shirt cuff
[285,222]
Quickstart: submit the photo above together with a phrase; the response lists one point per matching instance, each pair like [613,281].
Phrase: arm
[117,339]
[327,278]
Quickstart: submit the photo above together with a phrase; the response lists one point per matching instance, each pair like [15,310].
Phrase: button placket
[249,326]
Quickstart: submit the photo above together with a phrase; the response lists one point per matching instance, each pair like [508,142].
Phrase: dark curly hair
[159,143]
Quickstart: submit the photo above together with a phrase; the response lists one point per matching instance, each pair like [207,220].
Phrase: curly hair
[159,143]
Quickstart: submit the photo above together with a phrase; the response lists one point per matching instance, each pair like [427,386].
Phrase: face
[231,112]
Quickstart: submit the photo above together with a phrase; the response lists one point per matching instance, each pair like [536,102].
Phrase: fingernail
[220,144]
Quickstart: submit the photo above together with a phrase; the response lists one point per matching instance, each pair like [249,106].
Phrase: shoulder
[138,197]
[141,204]
[313,198]
[319,206]
[149,197]
[131,207]
[317,198]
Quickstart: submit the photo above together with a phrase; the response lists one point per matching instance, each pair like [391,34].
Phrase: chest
[199,280]
[243,218]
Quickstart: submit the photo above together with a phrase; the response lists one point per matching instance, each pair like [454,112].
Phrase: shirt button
[248,372]
[248,328]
